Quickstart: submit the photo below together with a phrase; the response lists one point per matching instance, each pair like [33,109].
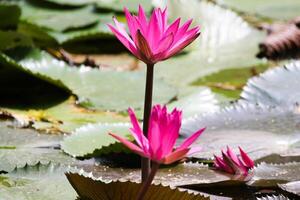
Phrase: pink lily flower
[233,164]
[154,40]
[162,135]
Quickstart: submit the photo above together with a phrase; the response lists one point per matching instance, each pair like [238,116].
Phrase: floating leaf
[276,87]
[179,175]
[273,197]
[90,188]
[57,19]
[292,187]
[201,101]
[118,5]
[219,46]
[276,9]
[19,147]
[269,175]
[10,14]
[12,39]
[62,116]
[93,86]
[71,3]
[36,182]
[94,139]
[248,126]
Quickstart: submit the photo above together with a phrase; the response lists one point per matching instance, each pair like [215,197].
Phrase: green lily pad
[217,48]
[276,9]
[36,182]
[174,176]
[292,187]
[19,147]
[276,87]
[89,188]
[61,116]
[57,19]
[248,126]
[11,13]
[71,3]
[272,174]
[12,39]
[109,90]
[118,5]
[93,139]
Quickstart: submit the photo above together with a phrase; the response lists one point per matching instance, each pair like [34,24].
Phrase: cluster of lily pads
[56,116]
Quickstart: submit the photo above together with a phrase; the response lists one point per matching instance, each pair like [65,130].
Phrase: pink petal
[180,46]
[132,24]
[232,156]
[175,156]
[130,145]
[137,131]
[220,164]
[247,160]
[154,30]
[173,28]
[191,139]
[144,48]
[165,43]
[127,43]
[142,19]
[238,169]
[182,30]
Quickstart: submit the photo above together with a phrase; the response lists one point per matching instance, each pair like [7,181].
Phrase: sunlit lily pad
[36,182]
[292,187]
[179,175]
[273,174]
[93,139]
[273,197]
[218,47]
[276,9]
[276,87]
[248,126]
[19,147]
[110,90]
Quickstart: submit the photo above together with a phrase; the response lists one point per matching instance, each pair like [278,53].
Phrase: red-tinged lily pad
[93,189]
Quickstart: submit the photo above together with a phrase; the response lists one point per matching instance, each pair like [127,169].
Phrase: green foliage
[9,15]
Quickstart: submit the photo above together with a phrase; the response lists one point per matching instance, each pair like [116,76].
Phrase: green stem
[147,183]
[145,163]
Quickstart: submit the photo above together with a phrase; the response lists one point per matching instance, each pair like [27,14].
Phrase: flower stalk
[146,184]
[145,162]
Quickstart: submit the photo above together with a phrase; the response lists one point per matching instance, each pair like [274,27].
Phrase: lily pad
[89,188]
[12,39]
[292,187]
[276,9]
[201,101]
[57,19]
[63,116]
[276,87]
[174,176]
[11,13]
[248,126]
[218,47]
[109,90]
[94,139]
[36,182]
[71,3]
[118,5]
[272,174]
[19,147]
[273,197]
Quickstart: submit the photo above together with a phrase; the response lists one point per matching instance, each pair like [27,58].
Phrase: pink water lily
[232,164]
[154,40]
[162,135]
